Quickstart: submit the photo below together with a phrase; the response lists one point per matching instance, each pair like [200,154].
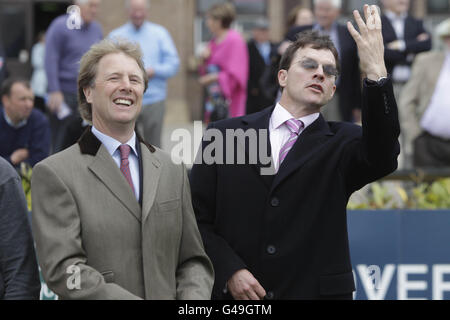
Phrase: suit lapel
[260,121]
[435,67]
[151,172]
[308,143]
[106,170]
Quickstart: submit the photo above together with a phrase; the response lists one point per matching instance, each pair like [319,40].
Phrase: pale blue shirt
[159,53]
[112,145]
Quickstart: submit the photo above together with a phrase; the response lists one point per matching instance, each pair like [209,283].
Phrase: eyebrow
[121,74]
[325,64]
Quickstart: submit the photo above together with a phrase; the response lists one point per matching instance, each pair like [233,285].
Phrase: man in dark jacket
[281,232]
[19,275]
[261,93]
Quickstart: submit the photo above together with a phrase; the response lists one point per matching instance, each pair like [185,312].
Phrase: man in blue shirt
[24,131]
[161,62]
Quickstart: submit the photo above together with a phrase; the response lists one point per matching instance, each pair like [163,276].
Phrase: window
[438,6]
[13,39]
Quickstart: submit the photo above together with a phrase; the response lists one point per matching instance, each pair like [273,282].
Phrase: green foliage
[435,195]
[25,173]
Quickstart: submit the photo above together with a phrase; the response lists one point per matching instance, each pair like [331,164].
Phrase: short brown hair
[305,39]
[10,82]
[89,67]
[224,12]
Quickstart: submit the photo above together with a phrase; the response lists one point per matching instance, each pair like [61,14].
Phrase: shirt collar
[318,27]
[393,16]
[280,115]
[112,144]
[21,124]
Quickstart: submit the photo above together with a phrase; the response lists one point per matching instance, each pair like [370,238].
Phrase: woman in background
[225,60]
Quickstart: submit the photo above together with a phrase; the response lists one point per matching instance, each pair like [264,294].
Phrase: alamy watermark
[74,20]
[235,146]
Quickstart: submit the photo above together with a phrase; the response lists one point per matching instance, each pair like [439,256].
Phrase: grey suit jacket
[418,91]
[19,274]
[93,239]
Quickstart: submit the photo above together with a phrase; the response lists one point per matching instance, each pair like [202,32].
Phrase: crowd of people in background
[239,74]
[40,116]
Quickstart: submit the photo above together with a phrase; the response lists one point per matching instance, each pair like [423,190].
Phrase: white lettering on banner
[375,288]
[439,285]
[377,280]
[404,285]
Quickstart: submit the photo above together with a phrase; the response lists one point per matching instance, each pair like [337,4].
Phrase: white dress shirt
[279,133]
[400,73]
[112,146]
[436,117]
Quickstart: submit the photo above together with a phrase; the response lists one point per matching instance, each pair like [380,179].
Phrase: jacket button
[271,249]
[270,295]
[274,202]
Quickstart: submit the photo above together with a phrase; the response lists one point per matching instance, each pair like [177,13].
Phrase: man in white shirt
[284,235]
[425,105]
[112,215]
[404,37]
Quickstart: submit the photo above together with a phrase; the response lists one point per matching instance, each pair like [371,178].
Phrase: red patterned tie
[294,126]
[124,163]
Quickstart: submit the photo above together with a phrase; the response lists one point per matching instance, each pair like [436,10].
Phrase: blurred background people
[404,36]
[161,62]
[39,79]
[261,54]
[19,274]
[226,57]
[300,16]
[64,48]
[425,105]
[24,131]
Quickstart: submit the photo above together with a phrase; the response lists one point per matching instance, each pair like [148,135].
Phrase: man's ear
[88,94]
[4,99]
[282,78]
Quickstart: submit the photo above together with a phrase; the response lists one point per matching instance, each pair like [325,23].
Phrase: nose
[125,85]
[319,74]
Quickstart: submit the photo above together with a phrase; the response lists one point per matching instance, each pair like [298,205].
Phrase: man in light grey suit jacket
[425,105]
[113,225]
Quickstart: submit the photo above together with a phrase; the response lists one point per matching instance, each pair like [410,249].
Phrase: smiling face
[116,96]
[309,82]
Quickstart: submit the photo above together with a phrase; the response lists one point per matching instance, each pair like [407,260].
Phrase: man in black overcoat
[270,189]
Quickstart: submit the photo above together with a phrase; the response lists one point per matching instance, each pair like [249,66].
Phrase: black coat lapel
[308,143]
[260,123]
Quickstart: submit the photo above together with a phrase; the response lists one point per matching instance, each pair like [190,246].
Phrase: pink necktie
[294,126]
[124,163]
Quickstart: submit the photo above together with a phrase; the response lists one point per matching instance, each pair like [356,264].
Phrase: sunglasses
[328,69]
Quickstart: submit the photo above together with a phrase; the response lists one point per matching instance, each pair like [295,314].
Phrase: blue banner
[400,254]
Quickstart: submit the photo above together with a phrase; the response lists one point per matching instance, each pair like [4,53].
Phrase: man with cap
[262,53]
[425,105]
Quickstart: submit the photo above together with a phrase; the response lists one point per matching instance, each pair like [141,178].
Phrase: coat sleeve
[57,230]
[204,188]
[19,273]
[195,275]
[373,154]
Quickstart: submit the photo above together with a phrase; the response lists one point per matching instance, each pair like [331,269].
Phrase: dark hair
[225,12]
[8,84]
[312,39]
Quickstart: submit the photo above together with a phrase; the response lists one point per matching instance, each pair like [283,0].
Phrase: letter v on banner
[374,287]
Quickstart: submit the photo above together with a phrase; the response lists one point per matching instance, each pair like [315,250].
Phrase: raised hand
[369,41]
